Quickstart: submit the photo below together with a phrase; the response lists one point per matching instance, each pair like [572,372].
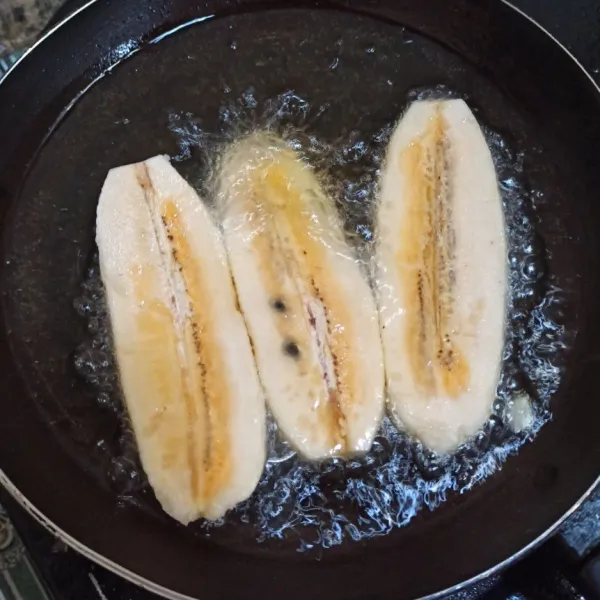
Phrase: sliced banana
[185,360]
[442,277]
[310,312]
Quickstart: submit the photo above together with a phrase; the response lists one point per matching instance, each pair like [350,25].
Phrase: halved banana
[310,312]
[185,360]
[442,278]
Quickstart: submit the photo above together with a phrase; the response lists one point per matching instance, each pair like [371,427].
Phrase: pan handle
[555,572]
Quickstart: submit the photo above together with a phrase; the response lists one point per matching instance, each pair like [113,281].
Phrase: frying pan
[97,92]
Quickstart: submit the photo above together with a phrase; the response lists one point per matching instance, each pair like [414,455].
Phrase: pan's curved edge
[172,595]
[517,555]
[85,550]
[551,530]
[555,40]
[7,483]
[43,38]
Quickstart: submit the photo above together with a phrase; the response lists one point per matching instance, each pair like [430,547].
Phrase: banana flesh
[185,359]
[441,274]
[309,310]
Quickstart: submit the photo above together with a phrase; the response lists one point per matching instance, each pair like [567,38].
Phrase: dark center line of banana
[337,415]
[145,183]
[294,270]
[200,363]
[214,388]
[442,253]
[427,258]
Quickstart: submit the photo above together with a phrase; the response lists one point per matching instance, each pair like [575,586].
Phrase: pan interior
[334,82]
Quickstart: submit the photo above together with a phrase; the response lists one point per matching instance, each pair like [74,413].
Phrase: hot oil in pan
[321,504]
[334,93]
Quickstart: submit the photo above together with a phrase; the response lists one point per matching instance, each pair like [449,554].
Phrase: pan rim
[156,588]
[170,594]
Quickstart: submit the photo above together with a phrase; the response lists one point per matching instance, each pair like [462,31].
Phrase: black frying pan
[66,117]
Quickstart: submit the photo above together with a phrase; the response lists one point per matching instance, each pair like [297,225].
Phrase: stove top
[36,566]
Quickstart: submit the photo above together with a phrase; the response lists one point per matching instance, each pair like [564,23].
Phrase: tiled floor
[22,20]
